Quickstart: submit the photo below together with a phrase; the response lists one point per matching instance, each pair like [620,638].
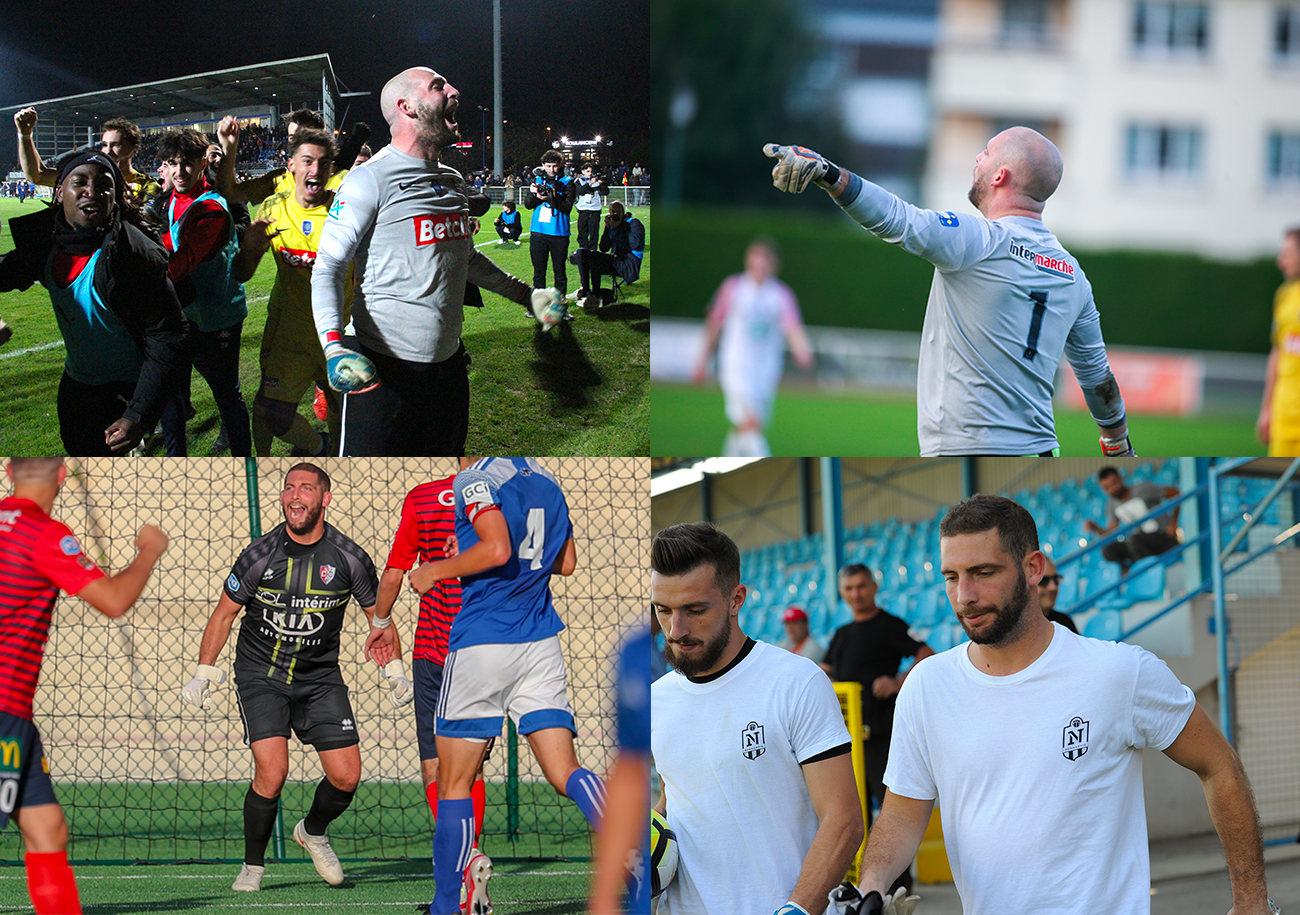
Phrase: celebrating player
[1007,300]
[513,530]
[38,557]
[296,582]
[404,218]
[1030,739]
[292,363]
[116,310]
[750,744]
[202,243]
[120,140]
[427,532]
[1278,425]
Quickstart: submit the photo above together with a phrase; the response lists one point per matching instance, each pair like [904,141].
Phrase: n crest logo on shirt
[327,574]
[751,741]
[1074,739]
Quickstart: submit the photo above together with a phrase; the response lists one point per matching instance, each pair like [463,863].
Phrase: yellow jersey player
[1279,414]
[292,361]
[120,140]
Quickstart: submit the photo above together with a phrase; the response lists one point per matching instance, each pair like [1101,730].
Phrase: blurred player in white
[754,315]
[1006,302]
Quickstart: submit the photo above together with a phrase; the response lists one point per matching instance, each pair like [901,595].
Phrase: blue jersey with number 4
[510,604]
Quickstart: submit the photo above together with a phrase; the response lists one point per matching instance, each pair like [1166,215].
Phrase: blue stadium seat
[1146,580]
[1105,625]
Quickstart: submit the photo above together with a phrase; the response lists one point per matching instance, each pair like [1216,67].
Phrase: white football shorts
[481,684]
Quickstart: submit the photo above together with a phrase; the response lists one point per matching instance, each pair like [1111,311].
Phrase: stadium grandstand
[258,95]
[1215,607]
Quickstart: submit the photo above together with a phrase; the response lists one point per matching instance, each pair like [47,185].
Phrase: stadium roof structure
[273,86]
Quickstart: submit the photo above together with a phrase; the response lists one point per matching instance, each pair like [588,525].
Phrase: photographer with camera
[508,224]
[591,193]
[622,247]
[550,197]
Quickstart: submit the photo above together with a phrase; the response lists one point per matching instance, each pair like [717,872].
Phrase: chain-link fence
[143,776]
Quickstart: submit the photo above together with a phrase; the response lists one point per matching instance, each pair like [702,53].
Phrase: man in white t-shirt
[754,315]
[1030,739]
[750,746]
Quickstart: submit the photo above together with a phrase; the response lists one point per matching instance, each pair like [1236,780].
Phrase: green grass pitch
[691,421]
[579,390]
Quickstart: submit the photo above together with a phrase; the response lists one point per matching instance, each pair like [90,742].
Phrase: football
[663,853]
[548,307]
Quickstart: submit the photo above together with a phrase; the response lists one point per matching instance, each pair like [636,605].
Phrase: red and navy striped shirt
[38,556]
[428,519]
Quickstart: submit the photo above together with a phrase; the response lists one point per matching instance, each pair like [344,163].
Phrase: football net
[143,776]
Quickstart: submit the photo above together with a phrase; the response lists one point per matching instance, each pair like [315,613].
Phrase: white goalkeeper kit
[404,222]
[1006,302]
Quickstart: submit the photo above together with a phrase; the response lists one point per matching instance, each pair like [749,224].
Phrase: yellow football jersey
[1286,387]
[295,235]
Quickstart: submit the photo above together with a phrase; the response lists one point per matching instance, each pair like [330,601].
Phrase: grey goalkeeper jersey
[1006,302]
[404,223]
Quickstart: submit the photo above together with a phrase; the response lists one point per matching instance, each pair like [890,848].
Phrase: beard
[976,194]
[309,519]
[433,126]
[1007,619]
[705,659]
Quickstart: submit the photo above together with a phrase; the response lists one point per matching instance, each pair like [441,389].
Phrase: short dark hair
[552,155]
[126,128]
[1016,529]
[1293,232]
[321,476]
[314,137]
[856,568]
[305,117]
[1107,472]
[187,144]
[683,548]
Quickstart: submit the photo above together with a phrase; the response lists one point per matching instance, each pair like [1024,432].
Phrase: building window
[1286,35]
[1025,23]
[1163,153]
[1171,28]
[1284,159]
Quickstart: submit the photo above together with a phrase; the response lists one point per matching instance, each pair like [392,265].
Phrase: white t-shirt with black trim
[729,752]
[1039,774]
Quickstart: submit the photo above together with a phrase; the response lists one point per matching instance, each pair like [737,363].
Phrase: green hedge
[844,277]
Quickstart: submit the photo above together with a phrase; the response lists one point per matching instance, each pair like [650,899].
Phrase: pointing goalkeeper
[1006,303]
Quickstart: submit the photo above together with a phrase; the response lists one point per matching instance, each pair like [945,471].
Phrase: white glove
[900,903]
[548,307]
[798,166]
[1117,447]
[402,689]
[196,692]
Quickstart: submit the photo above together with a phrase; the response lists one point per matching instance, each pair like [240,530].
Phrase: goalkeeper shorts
[24,771]
[483,683]
[319,712]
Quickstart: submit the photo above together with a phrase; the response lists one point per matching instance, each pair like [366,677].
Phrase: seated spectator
[508,224]
[1049,588]
[622,247]
[1126,503]
[797,639]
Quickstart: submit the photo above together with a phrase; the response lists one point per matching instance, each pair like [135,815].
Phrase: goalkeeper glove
[848,900]
[347,370]
[548,307]
[196,692]
[799,165]
[402,690]
[792,908]
[1117,447]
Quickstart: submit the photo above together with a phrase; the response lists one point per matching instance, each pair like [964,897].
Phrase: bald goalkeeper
[1006,302]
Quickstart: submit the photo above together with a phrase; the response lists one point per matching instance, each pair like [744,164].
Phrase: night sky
[577,66]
